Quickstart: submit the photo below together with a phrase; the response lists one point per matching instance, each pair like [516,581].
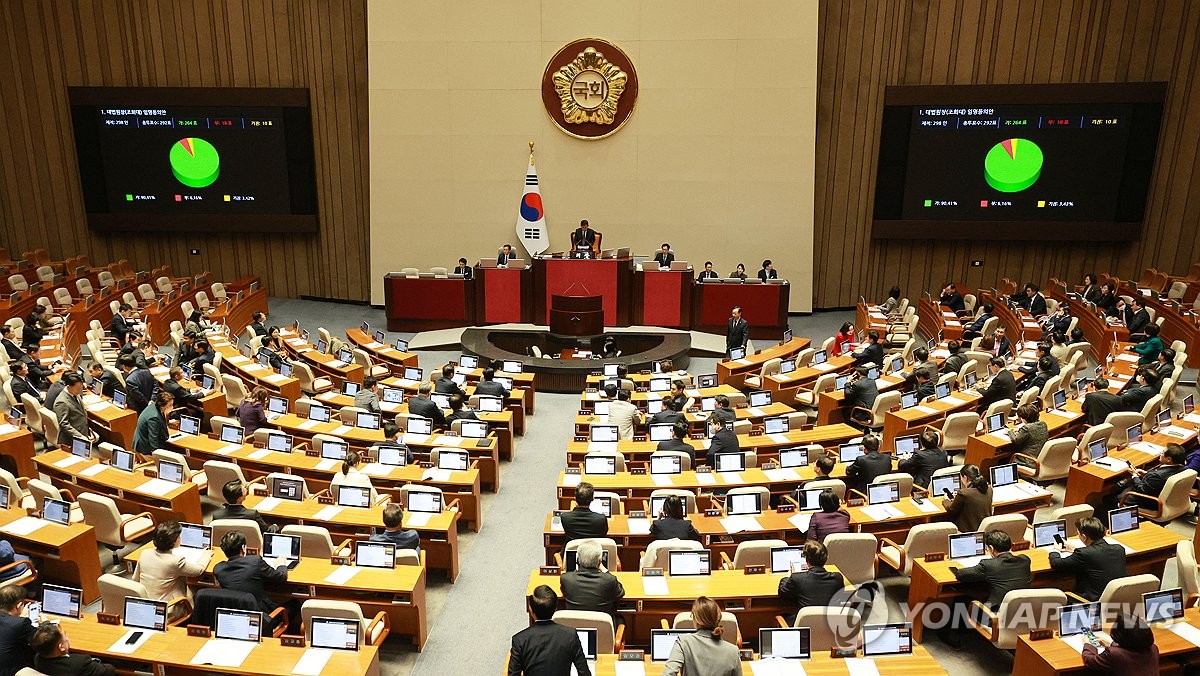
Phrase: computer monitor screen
[793,457]
[571,559]
[610,370]
[850,452]
[287,489]
[760,398]
[786,559]
[334,450]
[787,335]
[285,370]
[660,384]
[61,601]
[277,405]
[4,497]
[971,378]
[335,633]
[938,485]
[459,379]
[468,361]
[1044,532]
[1135,433]
[278,441]
[840,382]
[778,643]
[442,400]
[456,461]
[401,345]
[56,511]
[380,337]
[1060,399]
[280,546]
[873,373]
[908,444]
[473,429]
[995,422]
[123,459]
[744,503]
[1123,520]
[600,465]
[665,464]
[809,498]
[966,545]
[1004,475]
[374,554]
[1189,403]
[883,493]
[354,496]
[661,431]
[322,346]
[195,536]
[654,406]
[1098,449]
[708,404]
[887,639]
[730,462]
[419,425]
[508,366]
[318,413]
[1163,605]
[424,501]
[366,420]
[1079,617]
[662,641]
[706,380]
[491,404]
[908,399]
[506,383]
[239,625]
[820,357]
[413,373]
[145,613]
[776,425]
[682,562]
[941,390]
[189,424]
[232,434]
[737,353]
[601,407]
[81,447]
[393,456]
[787,366]
[207,382]
[392,395]
[119,398]
[604,433]
[350,388]
[601,505]
[169,470]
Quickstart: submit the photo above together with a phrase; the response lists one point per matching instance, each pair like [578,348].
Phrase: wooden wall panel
[867,45]
[49,45]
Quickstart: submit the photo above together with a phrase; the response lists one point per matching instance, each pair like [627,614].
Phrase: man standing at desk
[584,238]
[738,332]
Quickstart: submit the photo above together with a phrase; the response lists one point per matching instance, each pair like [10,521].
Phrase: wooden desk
[765,307]
[520,403]
[384,355]
[733,372]
[1089,483]
[987,449]
[180,504]
[237,314]
[934,320]
[439,537]
[426,303]
[871,318]
[255,374]
[321,363]
[784,387]
[639,397]
[524,384]
[1096,329]
[919,663]
[17,446]
[767,446]
[933,581]
[831,405]
[172,652]
[1052,656]
[69,553]
[662,297]
[908,420]
[697,422]
[116,425]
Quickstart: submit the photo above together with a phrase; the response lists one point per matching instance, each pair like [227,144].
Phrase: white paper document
[230,448]
[1147,447]
[801,521]
[861,666]
[606,446]
[955,401]
[63,463]
[259,454]
[414,439]
[731,477]
[342,575]
[1077,641]
[5,428]
[787,474]
[443,440]
[740,524]
[663,479]
[376,469]
[927,410]
[268,504]
[157,487]
[706,479]
[1128,550]
[312,662]
[755,412]
[629,668]
[224,652]
[655,585]
[327,464]
[341,430]
[93,470]
[418,519]
[639,526]
[881,512]
[926,506]
[129,648]
[327,513]
[308,424]
[571,480]
[435,474]
[779,438]
[275,378]
[968,561]
[24,525]
[1185,631]
[777,668]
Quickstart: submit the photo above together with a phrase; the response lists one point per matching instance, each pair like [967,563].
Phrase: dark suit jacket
[239,512]
[674,444]
[954,363]
[464,414]
[736,333]
[15,652]
[664,261]
[464,270]
[183,396]
[546,648]
[445,385]
[1002,574]
[14,351]
[923,463]
[1003,347]
[977,325]
[424,406]
[861,393]
[1136,321]
[502,258]
[953,301]
[251,574]
[1153,481]
[492,388]
[22,386]
[666,416]
[872,353]
[1135,398]
[667,528]
[581,523]
[707,274]
[813,587]
[403,539]
[591,589]
[728,414]
[580,236]
[1094,566]
[724,441]
[120,328]
[1097,406]
[39,376]
[74,665]
[766,274]
[823,524]
[1003,386]
[969,508]
[1037,305]
[866,468]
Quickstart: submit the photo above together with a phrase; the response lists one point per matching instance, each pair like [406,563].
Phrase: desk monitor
[740,504]
[840,382]
[1004,475]
[941,390]
[662,641]
[442,400]
[380,336]
[419,425]
[4,497]
[897,365]
[908,444]
[285,369]
[737,353]
[793,457]
[909,399]
[873,373]
[232,434]
[776,425]
[392,395]
[1164,418]
[1189,404]
[277,405]
[318,413]
[145,613]
[848,453]
[601,505]
[120,399]
[506,383]
[473,429]
[468,361]
[511,366]
[708,404]
[195,536]
[354,496]
[1076,618]
[424,501]
[760,398]
[1134,432]
[684,562]
[883,493]
[610,370]
[587,640]
[786,559]
[846,347]
[706,380]
[98,385]
[413,373]
[459,379]
[167,361]
[938,485]
[374,554]
[887,639]
[966,545]
[61,601]
[665,464]
[56,511]
[603,433]
[1161,606]
[322,346]
[1059,399]
[278,441]
[286,488]
[401,345]
[366,420]
[731,462]
[123,459]
[334,633]
[169,470]
[1123,520]
[787,336]
[81,447]
[605,465]
[350,388]
[393,455]
[615,382]
[1097,449]
[995,422]
[820,357]
[809,498]
[264,357]
[334,450]
[455,461]
[280,546]
[654,406]
[1044,532]
[489,404]
[239,625]
[971,379]
[660,384]
[661,431]
[787,366]
[791,643]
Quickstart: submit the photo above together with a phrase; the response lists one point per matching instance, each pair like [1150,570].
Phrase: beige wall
[717,158]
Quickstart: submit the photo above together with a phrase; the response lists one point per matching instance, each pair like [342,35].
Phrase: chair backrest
[100,512]
[885,402]
[217,421]
[416,488]
[853,554]
[1150,411]
[164,454]
[342,610]
[49,424]
[1055,459]
[689,498]
[146,292]
[1014,525]
[830,627]
[219,473]
[656,552]
[1121,421]
[903,478]
[40,490]
[804,357]
[1101,431]
[246,527]
[1185,563]
[202,300]
[755,552]
[1071,514]
[770,367]
[836,485]
[218,291]
[1004,406]
[589,619]
[1025,610]
[924,538]
[1176,495]
[45,273]
[957,428]
[63,297]
[729,625]
[1028,396]
[1125,593]
[18,283]
[1052,385]
[607,544]
[315,541]
[114,589]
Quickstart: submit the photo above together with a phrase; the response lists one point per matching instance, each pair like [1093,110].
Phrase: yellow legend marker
[227,199]
[1041,203]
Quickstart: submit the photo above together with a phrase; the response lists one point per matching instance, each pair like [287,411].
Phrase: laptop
[332,633]
[1163,606]
[413,373]
[909,399]
[848,453]
[169,470]
[610,370]
[661,431]
[688,562]
[614,382]
[232,434]
[662,641]
[489,404]
[239,625]
[280,442]
[603,434]
[510,366]
[600,465]
[706,380]
[1097,450]
[995,422]
[883,493]
[1123,520]
[195,536]
[366,420]
[665,464]
[334,450]
[276,406]
[145,614]
[740,504]
[123,460]
[392,455]
[760,398]
[1004,475]
[468,361]
[1049,533]
[455,461]
[424,501]
[81,447]
[660,384]
[318,413]
[56,511]
[908,444]
[61,601]
[284,547]
[731,462]
[776,425]
[788,559]
[791,643]
[938,485]
[287,489]
[354,496]
[601,505]
[419,425]
[1078,618]
[966,545]
[737,353]
[787,336]
[887,639]
[473,429]
[793,457]
[375,554]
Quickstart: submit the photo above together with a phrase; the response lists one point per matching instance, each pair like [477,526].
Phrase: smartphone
[1091,637]
[948,494]
[35,613]
[918,499]
[1059,540]
[133,638]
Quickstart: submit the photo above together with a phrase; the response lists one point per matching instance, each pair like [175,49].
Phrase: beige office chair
[18,283]
[769,368]
[315,542]
[40,490]
[853,554]
[235,390]
[406,489]
[1150,411]
[1071,514]
[373,632]
[829,626]
[369,367]
[730,631]
[836,485]
[1095,432]
[1013,525]
[655,555]
[18,496]
[608,640]
[1022,611]
[1004,406]
[885,402]
[615,499]
[922,539]
[1121,421]
[218,421]
[84,287]
[1174,501]
[957,428]
[751,553]
[1052,463]
[1123,595]
[689,498]
[609,545]
[248,528]
[198,478]
[44,273]
[106,279]
[113,529]
[620,458]
[221,472]
[309,384]
[1186,569]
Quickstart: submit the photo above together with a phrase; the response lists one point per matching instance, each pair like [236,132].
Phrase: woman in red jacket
[845,334]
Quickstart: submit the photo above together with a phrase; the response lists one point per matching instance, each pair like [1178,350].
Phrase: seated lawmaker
[669,413]
[926,460]
[860,394]
[1164,365]
[768,271]
[664,257]
[546,647]
[672,523]
[54,658]
[1001,385]
[488,386]
[185,397]
[1131,652]
[459,411]
[952,299]
[590,587]
[251,573]
[1137,319]
[15,631]
[463,269]
[581,522]
[679,432]
[367,397]
[723,440]
[1002,570]
[1099,403]
[975,328]
[624,415]
[830,520]
[1095,564]
[164,571]
[1145,387]
[872,353]
[583,238]
[1150,347]
[1150,482]
[815,586]
[868,466]
[724,409]
[739,272]
[708,272]
[425,407]
[504,255]
[446,385]
[972,502]
[235,495]
[394,531]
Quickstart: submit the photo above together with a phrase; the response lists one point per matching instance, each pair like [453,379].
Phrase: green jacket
[1149,350]
[151,432]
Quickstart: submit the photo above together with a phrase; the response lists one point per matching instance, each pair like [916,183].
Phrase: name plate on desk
[756,431]
[712,512]
[324,499]
[580,439]
[1020,545]
[1041,634]
[290,641]
[785,509]
[768,466]
[652,572]
[703,469]
[637,514]
[339,560]
[199,631]
[108,618]
[638,471]
[632,656]
[696,435]
[746,655]
[571,470]
[550,570]
[935,556]
[855,502]
[755,570]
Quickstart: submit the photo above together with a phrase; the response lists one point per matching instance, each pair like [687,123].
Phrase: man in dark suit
[927,459]
[546,648]
[1036,302]
[140,383]
[1045,371]
[463,269]
[679,432]
[423,406]
[583,238]
[187,349]
[723,441]
[394,532]
[251,573]
[68,408]
[589,588]
[668,414]
[54,656]
[873,352]
[1001,386]
[708,272]
[1095,564]
[1137,318]
[768,271]
[926,387]
[235,495]
[1098,404]
[664,257]
[1003,346]
[815,586]
[1058,322]
[581,521]
[724,410]
[185,397]
[867,467]
[15,631]
[1164,364]
[952,300]
[1150,482]
[956,360]
[861,394]
[14,351]
[122,323]
[975,328]
[1003,571]
[458,411]
[20,382]
[446,384]
[256,324]
[1146,386]
[38,376]
[504,255]
[488,386]
[737,332]
[204,355]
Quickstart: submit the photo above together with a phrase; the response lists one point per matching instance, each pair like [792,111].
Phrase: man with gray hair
[588,587]
[422,405]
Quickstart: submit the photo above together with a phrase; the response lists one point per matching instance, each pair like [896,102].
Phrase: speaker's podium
[576,315]
[606,277]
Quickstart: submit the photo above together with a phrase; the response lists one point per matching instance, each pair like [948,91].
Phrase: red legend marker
[179,198]
[983,203]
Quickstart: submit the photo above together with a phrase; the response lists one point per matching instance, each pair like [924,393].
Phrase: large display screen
[226,159]
[998,162]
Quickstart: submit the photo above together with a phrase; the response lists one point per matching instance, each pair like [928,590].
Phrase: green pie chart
[1013,165]
[195,162]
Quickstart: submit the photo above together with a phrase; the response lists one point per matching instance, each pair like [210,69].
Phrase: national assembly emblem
[589,88]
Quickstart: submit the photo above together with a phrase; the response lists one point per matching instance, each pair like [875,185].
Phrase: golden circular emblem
[589,88]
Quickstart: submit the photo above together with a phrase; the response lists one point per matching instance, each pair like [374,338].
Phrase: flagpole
[531,152]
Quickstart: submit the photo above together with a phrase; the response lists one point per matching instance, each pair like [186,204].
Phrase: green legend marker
[195,162]
[928,203]
[1013,165]
[128,197]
